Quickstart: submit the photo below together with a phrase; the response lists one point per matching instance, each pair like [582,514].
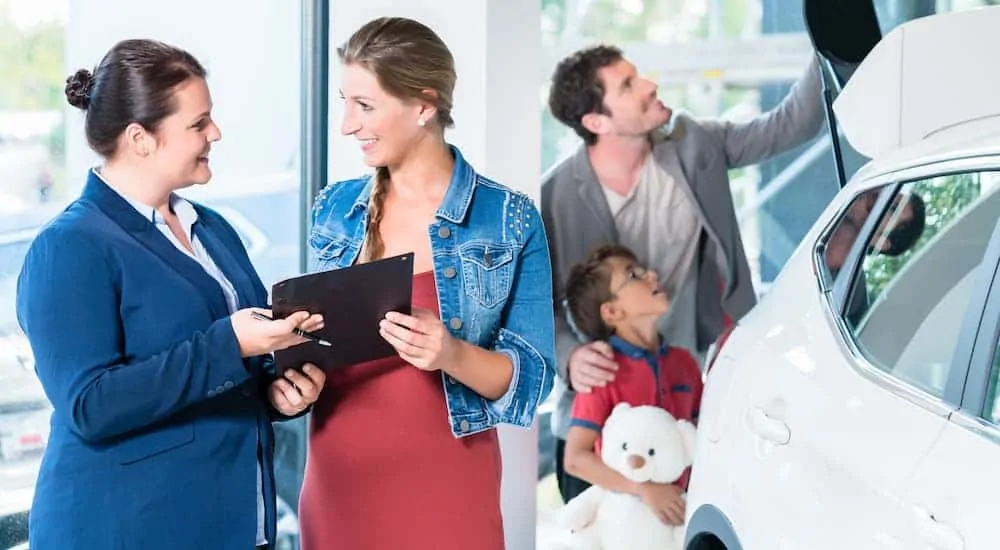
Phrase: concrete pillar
[497,49]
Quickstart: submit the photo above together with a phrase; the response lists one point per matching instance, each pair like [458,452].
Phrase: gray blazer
[577,218]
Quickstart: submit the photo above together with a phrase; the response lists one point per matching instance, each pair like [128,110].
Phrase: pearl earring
[421,122]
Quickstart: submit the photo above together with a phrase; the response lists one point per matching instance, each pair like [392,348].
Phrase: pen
[298,331]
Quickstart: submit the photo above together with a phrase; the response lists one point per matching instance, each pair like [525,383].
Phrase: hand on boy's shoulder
[592,365]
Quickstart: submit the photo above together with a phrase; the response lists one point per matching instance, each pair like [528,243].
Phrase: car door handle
[939,536]
[768,428]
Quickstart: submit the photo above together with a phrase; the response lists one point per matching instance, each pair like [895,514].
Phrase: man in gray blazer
[656,182]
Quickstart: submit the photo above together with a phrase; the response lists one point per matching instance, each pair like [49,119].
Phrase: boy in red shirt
[612,298]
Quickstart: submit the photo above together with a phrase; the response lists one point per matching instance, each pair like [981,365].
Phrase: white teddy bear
[644,444]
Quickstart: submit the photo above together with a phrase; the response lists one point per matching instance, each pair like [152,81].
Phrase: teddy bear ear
[688,435]
[623,406]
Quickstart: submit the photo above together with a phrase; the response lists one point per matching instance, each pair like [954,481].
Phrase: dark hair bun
[78,87]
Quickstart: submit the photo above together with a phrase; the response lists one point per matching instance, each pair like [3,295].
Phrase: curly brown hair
[577,91]
[588,287]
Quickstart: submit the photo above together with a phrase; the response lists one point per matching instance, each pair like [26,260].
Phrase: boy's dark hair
[589,286]
[577,91]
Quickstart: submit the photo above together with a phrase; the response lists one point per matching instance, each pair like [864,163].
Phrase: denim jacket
[493,277]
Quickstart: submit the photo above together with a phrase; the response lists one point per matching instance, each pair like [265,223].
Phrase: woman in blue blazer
[137,306]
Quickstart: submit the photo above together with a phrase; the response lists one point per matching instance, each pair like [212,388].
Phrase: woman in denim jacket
[402,451]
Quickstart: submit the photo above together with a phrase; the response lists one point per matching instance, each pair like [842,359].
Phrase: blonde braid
[373,246]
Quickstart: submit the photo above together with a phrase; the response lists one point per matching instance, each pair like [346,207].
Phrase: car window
[920,259]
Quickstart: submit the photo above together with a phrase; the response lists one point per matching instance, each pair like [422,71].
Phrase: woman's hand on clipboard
[420,339]
[258,337]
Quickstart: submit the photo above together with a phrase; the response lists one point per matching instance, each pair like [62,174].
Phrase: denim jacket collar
[635,352]
[455,205]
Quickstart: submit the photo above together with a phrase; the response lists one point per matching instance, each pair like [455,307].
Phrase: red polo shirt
[669,379]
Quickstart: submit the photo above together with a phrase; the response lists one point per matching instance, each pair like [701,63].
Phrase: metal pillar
[315,89]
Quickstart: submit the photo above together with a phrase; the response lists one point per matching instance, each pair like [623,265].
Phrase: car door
[840,402]
[954,496]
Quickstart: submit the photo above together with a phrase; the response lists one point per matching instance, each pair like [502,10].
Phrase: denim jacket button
[464,425]
[455,323]
[449,272]
[444,232]
[451,380]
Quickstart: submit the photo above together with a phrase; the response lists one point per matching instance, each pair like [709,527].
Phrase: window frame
[982,332]
[843,286]
[836,293]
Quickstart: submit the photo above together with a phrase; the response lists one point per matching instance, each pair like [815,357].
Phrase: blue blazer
[156,420]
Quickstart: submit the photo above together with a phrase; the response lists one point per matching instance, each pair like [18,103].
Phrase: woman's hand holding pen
[258,337]
[296,389]
[420,339]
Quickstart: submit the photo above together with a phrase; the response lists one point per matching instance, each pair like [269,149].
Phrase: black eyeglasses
[635,273]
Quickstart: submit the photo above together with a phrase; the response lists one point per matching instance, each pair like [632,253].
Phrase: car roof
[965,141]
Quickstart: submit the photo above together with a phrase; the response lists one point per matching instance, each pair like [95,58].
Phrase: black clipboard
[352,301]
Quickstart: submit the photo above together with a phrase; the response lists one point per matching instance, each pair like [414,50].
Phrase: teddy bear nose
[635,461]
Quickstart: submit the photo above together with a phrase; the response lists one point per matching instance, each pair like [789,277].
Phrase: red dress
[385,472]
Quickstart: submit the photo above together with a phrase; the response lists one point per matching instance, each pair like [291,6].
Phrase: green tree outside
[945,198]
[32,65]
[32,62]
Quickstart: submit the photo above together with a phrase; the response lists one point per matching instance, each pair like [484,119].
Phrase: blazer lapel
[208,233]
[146,234]
[679,157]
[592,195]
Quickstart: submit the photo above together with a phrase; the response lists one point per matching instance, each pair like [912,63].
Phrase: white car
[856,406]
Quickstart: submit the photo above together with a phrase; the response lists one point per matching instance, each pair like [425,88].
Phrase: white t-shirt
[658,221]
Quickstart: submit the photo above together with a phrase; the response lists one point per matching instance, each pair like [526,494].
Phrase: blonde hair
[408,60]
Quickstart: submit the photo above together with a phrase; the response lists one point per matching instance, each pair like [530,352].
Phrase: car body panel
[803,441]
[856,437]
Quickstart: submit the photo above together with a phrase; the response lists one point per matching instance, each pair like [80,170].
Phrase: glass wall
[32,186]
